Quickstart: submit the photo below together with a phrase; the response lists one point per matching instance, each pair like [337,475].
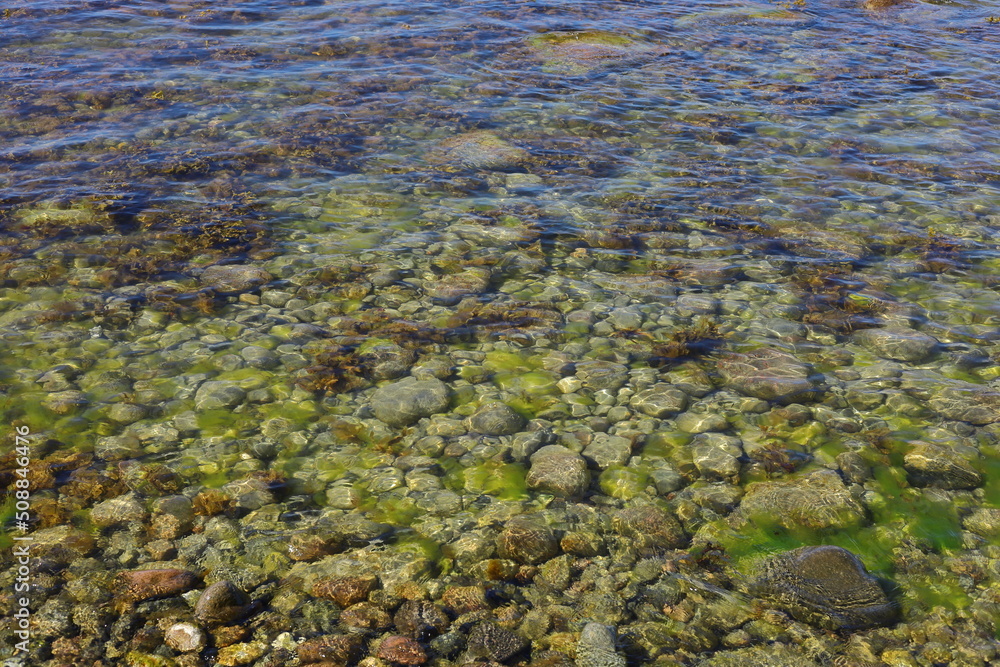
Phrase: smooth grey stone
[409,400]
[659,401]
[608,450]
[596,647]
[218,394]
[496,419]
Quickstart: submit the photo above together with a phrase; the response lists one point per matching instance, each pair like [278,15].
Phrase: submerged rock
[584,51]
[401,650]
[770,374]
[527,540]
[826,586]
[596,647]
[496,419]
[235,277]
[140,585]
[649,526]
[929,464]
[407,401]
[222,603]
[452,288]
[480,150]
[815,501]
[967,402]
[897,343]
[559,471]
[491,641]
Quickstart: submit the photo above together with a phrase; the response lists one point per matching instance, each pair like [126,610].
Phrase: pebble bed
[478,420]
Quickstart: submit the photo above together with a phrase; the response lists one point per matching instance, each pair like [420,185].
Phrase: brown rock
[345,591]
[464,599]
[649,525]
[140,585]
[420,619]
[401,650]
[527,541]
[366,616]
[221,604]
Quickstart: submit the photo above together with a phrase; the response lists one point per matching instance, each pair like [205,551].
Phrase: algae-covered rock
[584,51]
[827,586]
[815,501]
[930,464]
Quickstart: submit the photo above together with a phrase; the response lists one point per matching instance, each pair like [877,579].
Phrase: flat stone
[659,401]
[608,450]
[967,402]
[409,400]
[235,277]
[826,586]
[931,464]
[815,501]
[770,374]
[897,343]
[601,374]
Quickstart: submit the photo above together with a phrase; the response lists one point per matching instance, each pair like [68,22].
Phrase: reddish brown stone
[139,585]
[401,650]
[345,591]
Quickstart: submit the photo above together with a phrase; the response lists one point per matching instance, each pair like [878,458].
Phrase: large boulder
[827,586]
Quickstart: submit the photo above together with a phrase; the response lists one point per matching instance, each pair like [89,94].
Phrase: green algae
[623,483]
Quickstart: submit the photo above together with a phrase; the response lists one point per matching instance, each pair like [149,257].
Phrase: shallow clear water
[504,189]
